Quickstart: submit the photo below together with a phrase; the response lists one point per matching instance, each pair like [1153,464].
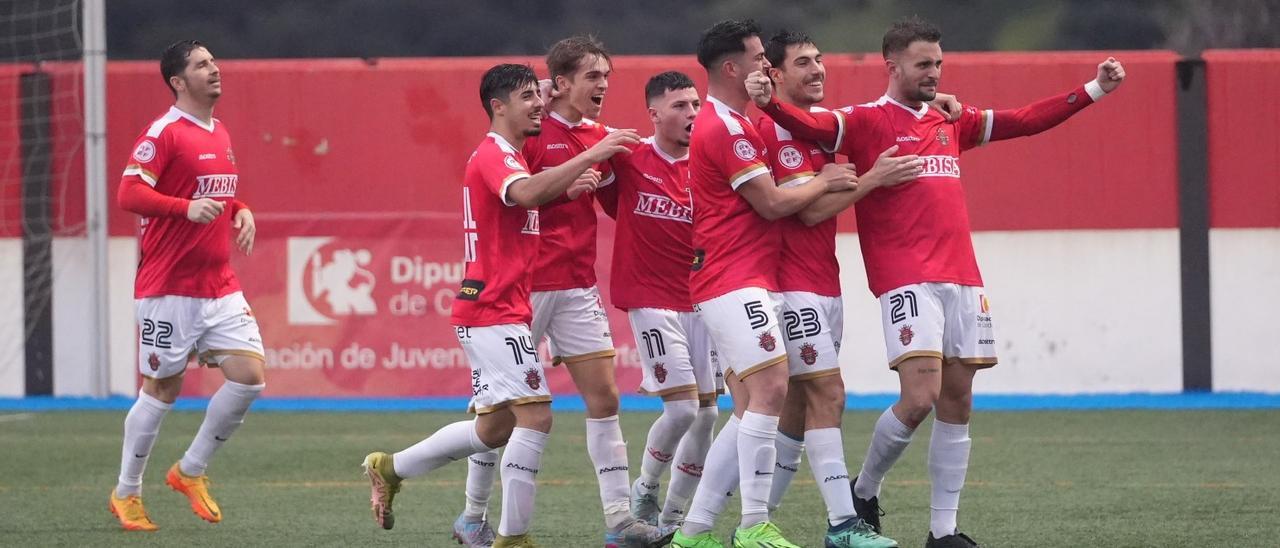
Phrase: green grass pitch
[1037,479]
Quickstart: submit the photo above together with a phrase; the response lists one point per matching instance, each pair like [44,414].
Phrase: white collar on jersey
[174,110]
[919,113]
[721,104]
[563,120]
[662,153]
[502,142]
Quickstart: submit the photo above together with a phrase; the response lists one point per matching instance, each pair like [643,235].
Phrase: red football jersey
[179,155]
[734,247]
[567,247]
[653,245]
[500,239]
[808,260]
[919,231]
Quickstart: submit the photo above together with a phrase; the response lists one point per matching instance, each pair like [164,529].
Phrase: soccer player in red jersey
[492,313]
[181,179]
[919,255]
[567,308]
[733,283]
[809,281]
[652,250]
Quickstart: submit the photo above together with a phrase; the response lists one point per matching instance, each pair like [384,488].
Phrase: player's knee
[602,402]
[679,414]
[915,407]
[165,390]
[534,417]
[955,408]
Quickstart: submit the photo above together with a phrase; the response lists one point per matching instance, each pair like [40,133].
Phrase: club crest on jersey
[744,150]
[154,361]
[942,137]
[808,354]
[790,157]
[532,378]
[231,156]
[512,163]
[905,335]
[145,152]
[660,372]
[767,342]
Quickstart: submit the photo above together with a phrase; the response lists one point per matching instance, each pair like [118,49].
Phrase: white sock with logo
[482,467]
[889,440]
[225,414]
[141,426]
[826,458]
[690,461]
[757,458]
[664,437]
[788,461]
[609,458]
[521,460]
[948,463]
[453,442]
[719,480]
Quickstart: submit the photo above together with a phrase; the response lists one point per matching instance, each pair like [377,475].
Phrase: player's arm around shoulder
[773,202]
[889,170]
[573,177]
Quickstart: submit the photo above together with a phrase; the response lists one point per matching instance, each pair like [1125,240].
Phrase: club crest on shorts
[942,137]
[808,354]
[154,361]
[767,342]
[532,378]
[905,335]
[660,372]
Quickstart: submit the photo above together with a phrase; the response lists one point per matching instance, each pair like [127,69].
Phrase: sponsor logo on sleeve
[470,290]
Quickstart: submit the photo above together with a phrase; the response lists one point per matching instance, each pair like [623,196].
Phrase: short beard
[533,132]
[923,96]
[682,142]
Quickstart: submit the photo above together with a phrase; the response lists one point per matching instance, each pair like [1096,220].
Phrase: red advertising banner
[358,306]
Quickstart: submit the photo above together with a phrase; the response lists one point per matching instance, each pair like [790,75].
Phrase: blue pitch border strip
[876,402]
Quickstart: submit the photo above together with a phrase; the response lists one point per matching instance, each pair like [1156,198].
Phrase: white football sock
[664,436]
[690,461]
[948,462]
[788,461]
[889,440]
[826,458]
[609,459]
[719,480]
[756,460]
[482,467]
[520,462]
[140,428]
[223,417]
[452,442]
